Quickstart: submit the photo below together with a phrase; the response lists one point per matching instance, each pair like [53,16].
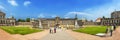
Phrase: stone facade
[57,21]
[24,23]
[115,14]
[89,23]
[6,21]
[110,21]
[115,19]
[98,20]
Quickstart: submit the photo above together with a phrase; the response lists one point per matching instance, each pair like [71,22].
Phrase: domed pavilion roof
[2,13]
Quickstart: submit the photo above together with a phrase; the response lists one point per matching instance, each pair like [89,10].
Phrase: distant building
[6,21]
[98,20]
[90,23]
[115,14]
[59,22]
[115,19]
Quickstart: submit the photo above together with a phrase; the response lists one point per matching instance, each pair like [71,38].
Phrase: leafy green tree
[21,20]
[27,19]
[103,16]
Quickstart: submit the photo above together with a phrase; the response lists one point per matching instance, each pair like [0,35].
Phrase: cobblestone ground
[116,35]
[60,35]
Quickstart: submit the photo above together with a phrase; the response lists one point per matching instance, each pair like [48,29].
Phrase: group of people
[111,29]
[52,30]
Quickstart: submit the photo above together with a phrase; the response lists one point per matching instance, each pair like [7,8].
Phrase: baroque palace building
[114,20]
[59,22]
[44,23]
[6,21]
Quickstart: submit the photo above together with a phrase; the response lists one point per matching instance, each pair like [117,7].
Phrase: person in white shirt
[51,29]
[112,27]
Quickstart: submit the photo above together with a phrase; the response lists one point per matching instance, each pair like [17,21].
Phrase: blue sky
[86,9]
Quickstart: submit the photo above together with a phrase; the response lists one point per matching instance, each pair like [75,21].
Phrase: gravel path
[116,34]
[6,36]
[60,35]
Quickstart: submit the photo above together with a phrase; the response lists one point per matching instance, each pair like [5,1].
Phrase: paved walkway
[60,35]
[6,36]
[68,35]
[116,34]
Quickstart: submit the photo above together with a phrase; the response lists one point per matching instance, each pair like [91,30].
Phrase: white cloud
[104,10]
[12,14]
[13,2]
[99,11]
[80,14]
[1,7]
[53,16]
[26,3]
[41,15]
[66,17]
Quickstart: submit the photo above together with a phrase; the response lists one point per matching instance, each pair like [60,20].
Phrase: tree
[21,20]
[27,19]
[103,16]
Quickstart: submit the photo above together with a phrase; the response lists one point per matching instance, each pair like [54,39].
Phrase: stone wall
[24,23]
[32,24]
[91,23]
[110,21]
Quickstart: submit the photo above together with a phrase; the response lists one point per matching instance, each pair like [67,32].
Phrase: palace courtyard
[61,34]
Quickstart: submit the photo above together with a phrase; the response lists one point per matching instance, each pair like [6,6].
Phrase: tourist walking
[106,30]
[114,27]
[51,30]
[54,29]
[111,32]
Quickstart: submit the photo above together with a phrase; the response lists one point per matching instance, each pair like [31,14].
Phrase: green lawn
[92,30]
[19,30]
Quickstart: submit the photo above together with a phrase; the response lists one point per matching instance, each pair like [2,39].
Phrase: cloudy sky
[86,9]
